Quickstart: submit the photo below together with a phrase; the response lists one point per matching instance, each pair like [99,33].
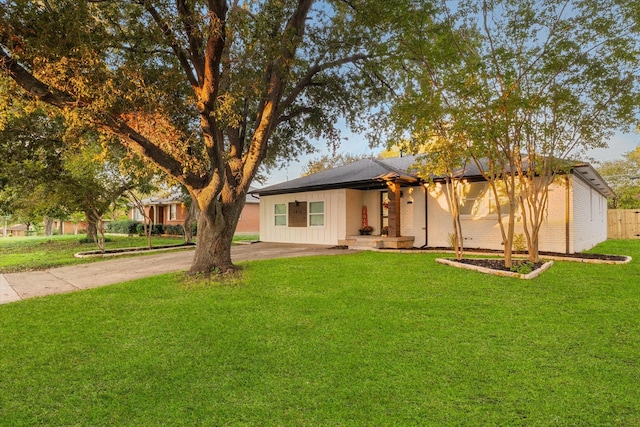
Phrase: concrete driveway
[17,286]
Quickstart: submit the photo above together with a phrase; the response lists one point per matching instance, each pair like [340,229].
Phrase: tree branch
[147,149]
[34,86]
[173,42]
[195,43]
[297,112]
[307,80]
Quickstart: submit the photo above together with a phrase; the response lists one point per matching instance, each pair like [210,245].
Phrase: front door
[384,209]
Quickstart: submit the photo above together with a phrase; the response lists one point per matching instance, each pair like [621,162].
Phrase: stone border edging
[485,270]
[127,251]
[627,258]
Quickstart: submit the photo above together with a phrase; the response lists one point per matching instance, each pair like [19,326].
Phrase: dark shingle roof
[372,174]
[361,174]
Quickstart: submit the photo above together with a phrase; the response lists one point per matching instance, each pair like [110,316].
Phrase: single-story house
[70,227]
[16,230]
[330,207]
[172,210]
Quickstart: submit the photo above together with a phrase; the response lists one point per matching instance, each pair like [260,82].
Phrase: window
[173,212]
[280,216]
[316,214]
[137,216]
[479,200]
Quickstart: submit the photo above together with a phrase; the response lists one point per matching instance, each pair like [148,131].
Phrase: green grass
[369,339]
[38,253]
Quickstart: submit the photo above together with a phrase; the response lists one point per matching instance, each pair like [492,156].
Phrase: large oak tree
[207,90]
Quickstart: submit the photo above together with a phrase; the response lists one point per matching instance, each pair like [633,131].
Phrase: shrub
[125,226]
[519,243]
[156,229]
[175,230]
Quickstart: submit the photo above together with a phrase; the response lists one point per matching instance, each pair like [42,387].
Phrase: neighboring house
[173,211]
[70,227]
[330,207]
[17,230]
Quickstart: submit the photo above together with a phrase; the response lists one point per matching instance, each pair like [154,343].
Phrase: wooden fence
[623,223]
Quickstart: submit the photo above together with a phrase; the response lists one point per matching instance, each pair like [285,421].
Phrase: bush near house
[125,226]
[131,227]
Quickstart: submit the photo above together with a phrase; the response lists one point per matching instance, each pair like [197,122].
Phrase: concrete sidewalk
[17,286]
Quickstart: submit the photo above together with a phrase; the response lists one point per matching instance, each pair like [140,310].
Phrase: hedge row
[128,226]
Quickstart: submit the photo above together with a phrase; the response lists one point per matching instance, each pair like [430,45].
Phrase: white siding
[553,234]
[343,218]
[589,216]
[484,231]
[412,215]
[326,234]
[478,232]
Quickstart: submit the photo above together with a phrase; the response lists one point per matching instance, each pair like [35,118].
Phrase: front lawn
[373,339]
[39,253]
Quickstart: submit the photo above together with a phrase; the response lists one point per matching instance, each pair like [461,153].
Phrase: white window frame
[137,215]
[314,216]
[173,212]
[279,215]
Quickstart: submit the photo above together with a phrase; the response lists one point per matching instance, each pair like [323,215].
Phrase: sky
[620,144]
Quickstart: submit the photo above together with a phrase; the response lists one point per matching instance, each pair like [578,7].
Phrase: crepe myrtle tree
[206,90]
[528,84]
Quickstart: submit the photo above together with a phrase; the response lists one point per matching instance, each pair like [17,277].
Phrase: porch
[369,242]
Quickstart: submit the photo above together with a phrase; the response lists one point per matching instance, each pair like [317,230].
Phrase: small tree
[623,175]
[445,157]
[528,85]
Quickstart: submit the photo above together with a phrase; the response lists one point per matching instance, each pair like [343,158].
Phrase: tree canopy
[527,84]
[623,175]
[207,90]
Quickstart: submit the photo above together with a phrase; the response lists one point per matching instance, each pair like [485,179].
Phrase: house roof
[179,197]
[362,174]
[373,174]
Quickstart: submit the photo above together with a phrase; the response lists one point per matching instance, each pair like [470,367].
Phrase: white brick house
[330,207]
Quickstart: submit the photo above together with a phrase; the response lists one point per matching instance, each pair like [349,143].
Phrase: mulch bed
[602,257]
[498,264]
[518,265]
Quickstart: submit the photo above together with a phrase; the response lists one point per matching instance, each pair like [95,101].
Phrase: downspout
[426,217]
[567,215]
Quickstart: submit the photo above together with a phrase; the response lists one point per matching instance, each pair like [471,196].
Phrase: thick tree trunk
[216,226]
[187,225]
[48,226]
[92,226]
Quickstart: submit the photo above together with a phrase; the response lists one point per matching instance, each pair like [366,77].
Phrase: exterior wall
[553,234]
[249,222]
[354,200]
[69,227]
[343,216]
[589,225]
[326,234]
[483,231]
[412,214]
[159,214]
[477,232]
